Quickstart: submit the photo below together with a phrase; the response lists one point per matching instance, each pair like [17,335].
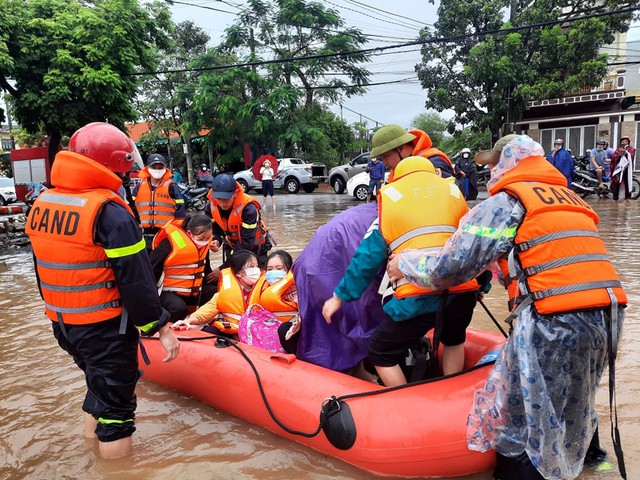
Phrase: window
[6,144]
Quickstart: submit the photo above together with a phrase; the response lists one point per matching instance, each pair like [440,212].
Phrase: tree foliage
[433,124]
[67,63]
[487,79]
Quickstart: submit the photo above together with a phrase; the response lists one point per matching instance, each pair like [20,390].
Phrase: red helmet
[106,145]
[625,137]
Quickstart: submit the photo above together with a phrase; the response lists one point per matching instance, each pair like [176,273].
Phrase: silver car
[293,173]
[340,175]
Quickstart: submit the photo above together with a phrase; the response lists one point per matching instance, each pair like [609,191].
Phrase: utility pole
[513,14]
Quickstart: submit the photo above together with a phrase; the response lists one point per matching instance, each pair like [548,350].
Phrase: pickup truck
[293,173]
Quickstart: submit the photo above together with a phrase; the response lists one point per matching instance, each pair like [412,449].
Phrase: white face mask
[200,243]
[157,174]
[251,275]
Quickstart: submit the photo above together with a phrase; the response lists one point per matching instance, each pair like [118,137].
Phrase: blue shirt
[376,170]
[563,161]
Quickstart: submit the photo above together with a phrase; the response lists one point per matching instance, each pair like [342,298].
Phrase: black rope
[493,318]
[232,343]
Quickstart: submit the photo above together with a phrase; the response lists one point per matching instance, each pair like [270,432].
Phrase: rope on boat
[328,403]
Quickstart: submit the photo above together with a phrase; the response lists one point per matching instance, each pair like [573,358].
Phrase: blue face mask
[599,149]
[274,276]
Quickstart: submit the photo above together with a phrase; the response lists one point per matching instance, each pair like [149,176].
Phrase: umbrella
[258,165]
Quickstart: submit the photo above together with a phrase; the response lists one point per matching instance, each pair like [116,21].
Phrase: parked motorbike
[585,182]
[195,199]
[34,190]
[483,175]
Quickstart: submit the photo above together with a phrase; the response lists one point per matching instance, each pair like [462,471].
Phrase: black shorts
[267,188]
[110,364]
[390,341]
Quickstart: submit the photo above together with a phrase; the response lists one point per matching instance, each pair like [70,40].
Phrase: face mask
[157,174]
[204,169]
[274,276]
[200,243]
[465,155]
[251,275]
[599,149]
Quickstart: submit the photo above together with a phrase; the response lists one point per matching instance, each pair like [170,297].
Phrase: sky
[383,104]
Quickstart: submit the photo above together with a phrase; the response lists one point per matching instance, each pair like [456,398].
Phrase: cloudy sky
[390,22]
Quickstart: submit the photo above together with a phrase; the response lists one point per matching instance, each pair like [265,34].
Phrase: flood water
[178,437]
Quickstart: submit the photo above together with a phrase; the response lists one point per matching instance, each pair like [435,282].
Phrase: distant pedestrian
[466,175]
[204,178]
[597,162]
[562,160]
[376,171]
[622,169]
[267,183]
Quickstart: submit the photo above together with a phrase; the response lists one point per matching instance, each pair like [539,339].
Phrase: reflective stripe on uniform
[179,200]
[416,232]
[177,238]
[488,232]
[125,251]
[79,288]
[249,226]
[560,262]
[91,309]
[180,289]
[73,266]
[60,199]
[147,327]
[555,236]
[110,421]
[576,287]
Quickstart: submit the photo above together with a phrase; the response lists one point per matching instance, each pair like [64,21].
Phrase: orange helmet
[107,145]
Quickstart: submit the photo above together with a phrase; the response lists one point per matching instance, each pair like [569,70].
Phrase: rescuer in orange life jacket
[180,262]
[95,278]
[537,408]
[237,220]
[158,198]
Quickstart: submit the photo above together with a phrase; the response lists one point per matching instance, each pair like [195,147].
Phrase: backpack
[258,327]
[420,362]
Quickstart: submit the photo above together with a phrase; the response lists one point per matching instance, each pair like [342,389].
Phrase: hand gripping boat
[414,431]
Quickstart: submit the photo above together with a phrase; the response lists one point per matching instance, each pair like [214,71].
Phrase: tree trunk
[54,145]
[186,142]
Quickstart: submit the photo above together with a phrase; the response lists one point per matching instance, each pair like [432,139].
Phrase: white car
[359,184]
[293,173]
[7,191]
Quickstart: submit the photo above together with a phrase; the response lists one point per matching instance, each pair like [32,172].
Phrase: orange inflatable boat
[417,431]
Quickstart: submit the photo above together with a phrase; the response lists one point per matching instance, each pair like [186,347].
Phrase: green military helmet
[389,137]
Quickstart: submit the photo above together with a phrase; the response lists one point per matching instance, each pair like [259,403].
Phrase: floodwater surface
[179,437]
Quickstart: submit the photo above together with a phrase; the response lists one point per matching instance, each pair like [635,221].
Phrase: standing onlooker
[622,169]
[177,177]
[466,175]
[537,408]
[376,170]
[598,162]
[96,281]
[267,183]
[158,198]
[562,160]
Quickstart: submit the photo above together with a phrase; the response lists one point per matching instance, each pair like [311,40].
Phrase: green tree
[166,98]
[433,124]
[487,80]
[67,63]
[468,137]
[284,29]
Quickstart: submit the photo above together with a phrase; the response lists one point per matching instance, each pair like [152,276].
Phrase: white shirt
[267,173]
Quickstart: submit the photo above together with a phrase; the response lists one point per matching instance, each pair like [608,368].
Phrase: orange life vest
[232,302]
[155,206]
[422,147]
[233,223]
[273,297]
[563,261]
[184,266]
[77,282]
[420,210]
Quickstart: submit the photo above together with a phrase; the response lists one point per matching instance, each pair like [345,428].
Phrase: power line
[202,6]
[362,115]
[377,50]
[371,16]
[369,7]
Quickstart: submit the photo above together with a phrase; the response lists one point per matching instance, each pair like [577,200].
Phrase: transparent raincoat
[540,395]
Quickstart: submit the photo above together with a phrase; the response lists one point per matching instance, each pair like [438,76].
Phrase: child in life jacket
[230,302]
[276,291]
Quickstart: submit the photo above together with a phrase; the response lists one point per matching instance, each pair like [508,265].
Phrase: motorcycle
[483,175]
[195,199]
[585,181]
